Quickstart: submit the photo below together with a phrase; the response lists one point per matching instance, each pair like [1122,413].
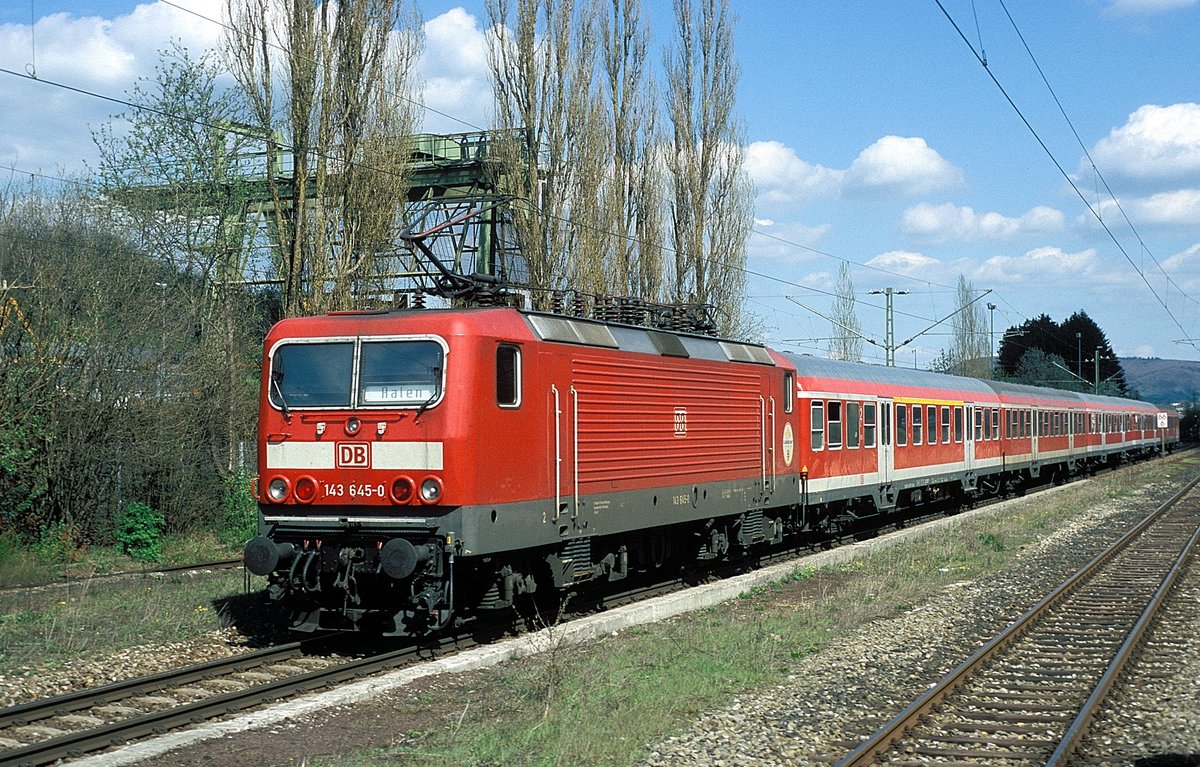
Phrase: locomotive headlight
[431,490]
[352,426]
[277,489]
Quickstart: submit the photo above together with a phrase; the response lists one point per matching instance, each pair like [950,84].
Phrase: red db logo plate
[353,455]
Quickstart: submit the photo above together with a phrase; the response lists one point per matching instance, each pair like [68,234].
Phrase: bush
[139,531]
[239,520]
[59,544]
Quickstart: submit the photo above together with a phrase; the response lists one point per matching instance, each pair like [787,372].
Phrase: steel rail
[895,729]
[76,744]
[1079,727]
[158,722]
[220,564]
[25,713]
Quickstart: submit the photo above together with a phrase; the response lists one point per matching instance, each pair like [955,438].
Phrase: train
[422,468]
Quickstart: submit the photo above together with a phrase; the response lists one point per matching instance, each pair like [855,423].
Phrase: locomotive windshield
[354,374]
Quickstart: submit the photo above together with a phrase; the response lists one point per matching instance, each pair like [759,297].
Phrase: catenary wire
[1033,131]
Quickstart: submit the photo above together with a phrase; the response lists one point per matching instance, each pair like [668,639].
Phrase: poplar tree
[711,196]
[846,341]
[329,88]
[542,70]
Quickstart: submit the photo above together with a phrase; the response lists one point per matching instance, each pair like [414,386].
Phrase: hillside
[1163,381]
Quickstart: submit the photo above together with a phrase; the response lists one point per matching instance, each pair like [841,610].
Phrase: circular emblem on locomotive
[789,444]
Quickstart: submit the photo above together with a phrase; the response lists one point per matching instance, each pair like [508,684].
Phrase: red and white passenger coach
[419,466]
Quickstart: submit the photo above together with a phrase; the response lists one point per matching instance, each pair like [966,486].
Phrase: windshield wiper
[425,405]
[283,405]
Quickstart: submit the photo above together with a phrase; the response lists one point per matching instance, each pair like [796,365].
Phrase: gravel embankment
[35,682]
[842,694]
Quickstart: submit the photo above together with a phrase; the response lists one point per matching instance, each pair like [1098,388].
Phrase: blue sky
[873,135]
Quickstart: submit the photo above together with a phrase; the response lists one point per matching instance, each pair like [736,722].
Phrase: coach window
[918,432]
[958,423]
[789,391]
[508,376]
[868,424]
[995,423]
[817,424]
[835,424]
[901,425]
[931,425]
[978,424]
[945,424]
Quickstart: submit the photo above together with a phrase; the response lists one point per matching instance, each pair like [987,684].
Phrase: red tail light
[403,490]
[306,489]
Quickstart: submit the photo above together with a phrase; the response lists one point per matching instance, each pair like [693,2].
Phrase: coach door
[886,455]
[1035,428]
[969,436]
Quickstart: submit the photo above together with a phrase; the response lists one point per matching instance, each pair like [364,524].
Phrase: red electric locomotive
[415,465]
[419,466]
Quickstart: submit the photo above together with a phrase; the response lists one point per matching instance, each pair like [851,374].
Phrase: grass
[51,559]
[55,625]
[600,703]
[81,617]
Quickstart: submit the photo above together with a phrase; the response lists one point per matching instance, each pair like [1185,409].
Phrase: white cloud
[47,128]
[1045,264]
[1155,144]
[900,166]
[1189,257]
[905,262]
[1180,208]
[950,223]
[94,51]
[783,179]
[1171,208]
[784,241]
[457,79]
[892,167]
[1145,7]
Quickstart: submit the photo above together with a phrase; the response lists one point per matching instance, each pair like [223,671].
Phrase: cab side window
[508,376]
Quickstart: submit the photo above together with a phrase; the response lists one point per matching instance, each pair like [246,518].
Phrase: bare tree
[970,354]
[542,60]
[175,175]
[846,341]
[711,207]
[344,73]
[634,192]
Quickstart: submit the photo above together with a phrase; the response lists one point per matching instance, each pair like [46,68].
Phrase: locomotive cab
[351,489]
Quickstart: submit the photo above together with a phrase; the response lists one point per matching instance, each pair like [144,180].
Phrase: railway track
[1029,694]
[71,725]
[221,564]
[74,724]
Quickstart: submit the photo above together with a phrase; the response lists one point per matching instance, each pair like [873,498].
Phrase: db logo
[680,422]
[351,455]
